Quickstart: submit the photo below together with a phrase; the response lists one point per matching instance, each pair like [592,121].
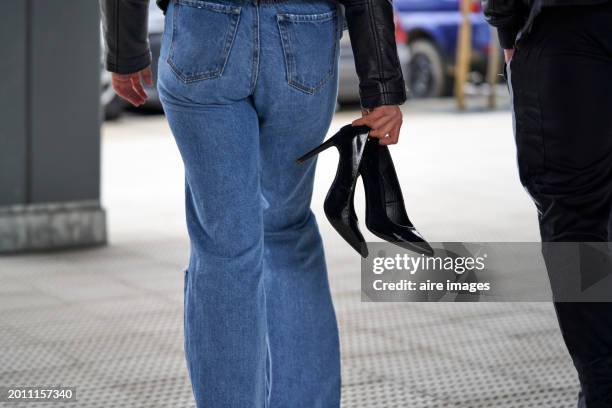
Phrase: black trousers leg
[561,82]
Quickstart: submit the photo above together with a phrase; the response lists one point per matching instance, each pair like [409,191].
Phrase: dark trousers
[561,82]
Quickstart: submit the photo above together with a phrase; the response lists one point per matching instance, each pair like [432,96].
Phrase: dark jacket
[514,18]
[370,23]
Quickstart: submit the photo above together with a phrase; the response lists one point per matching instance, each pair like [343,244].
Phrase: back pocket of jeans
[310,46]
[202,38]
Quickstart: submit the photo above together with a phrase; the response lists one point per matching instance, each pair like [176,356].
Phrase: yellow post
[464,49]
[493,68]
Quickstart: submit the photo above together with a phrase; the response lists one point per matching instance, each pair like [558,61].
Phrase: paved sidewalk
[109,320]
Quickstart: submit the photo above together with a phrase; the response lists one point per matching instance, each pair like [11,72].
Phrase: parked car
[112,103]
[348,89]
[432,27]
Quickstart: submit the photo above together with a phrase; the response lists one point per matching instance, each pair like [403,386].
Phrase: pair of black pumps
[386,217]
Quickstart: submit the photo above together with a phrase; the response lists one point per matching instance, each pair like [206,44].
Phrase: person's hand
[508,54]
[129,86]
[385,122]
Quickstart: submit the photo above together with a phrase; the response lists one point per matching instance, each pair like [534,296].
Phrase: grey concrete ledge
[50,226]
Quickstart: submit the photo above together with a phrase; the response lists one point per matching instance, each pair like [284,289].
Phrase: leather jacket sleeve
[372,31]
[125,25]
[508,16]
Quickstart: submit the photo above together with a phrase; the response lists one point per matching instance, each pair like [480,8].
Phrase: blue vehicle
[432,27]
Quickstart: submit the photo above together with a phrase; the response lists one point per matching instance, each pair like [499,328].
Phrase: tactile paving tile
[140,369]
[126,349]
[394,314]
[518,324]
[476,309]
[32,357]
[502,351]
[170,280]
[86,286]
[80,376]
[354,376]
[553,373]
[551,398]
[165,392]
[71,330]
[360,343]
[13,337]
[445,333]
[153,322]
[41,315]
[444,378]
[28,300]
[127,345]
[386,394]
[128,306]
[30,266]
[168,252]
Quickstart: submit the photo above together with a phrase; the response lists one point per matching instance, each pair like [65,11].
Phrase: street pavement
[109,320]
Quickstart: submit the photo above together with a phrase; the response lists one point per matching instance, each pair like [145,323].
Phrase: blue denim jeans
[247,88]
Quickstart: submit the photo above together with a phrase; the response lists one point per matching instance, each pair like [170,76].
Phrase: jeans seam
[255,63]
[286,47]
[221,8]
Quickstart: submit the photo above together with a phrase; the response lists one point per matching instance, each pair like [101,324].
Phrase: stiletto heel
[386,215]
[339,210]
[323,146]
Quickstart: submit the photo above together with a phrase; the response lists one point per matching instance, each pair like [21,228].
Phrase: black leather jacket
[514,18]
[370,23]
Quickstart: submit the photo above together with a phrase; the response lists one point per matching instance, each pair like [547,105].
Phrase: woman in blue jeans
[248,86]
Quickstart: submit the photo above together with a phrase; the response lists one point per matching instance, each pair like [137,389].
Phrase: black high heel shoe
[339,209]
[386,215]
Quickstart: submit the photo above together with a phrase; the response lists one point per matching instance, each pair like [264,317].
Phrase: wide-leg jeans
[247,87]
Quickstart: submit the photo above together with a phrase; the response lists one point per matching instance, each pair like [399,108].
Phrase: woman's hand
[385,122]
[129,86]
